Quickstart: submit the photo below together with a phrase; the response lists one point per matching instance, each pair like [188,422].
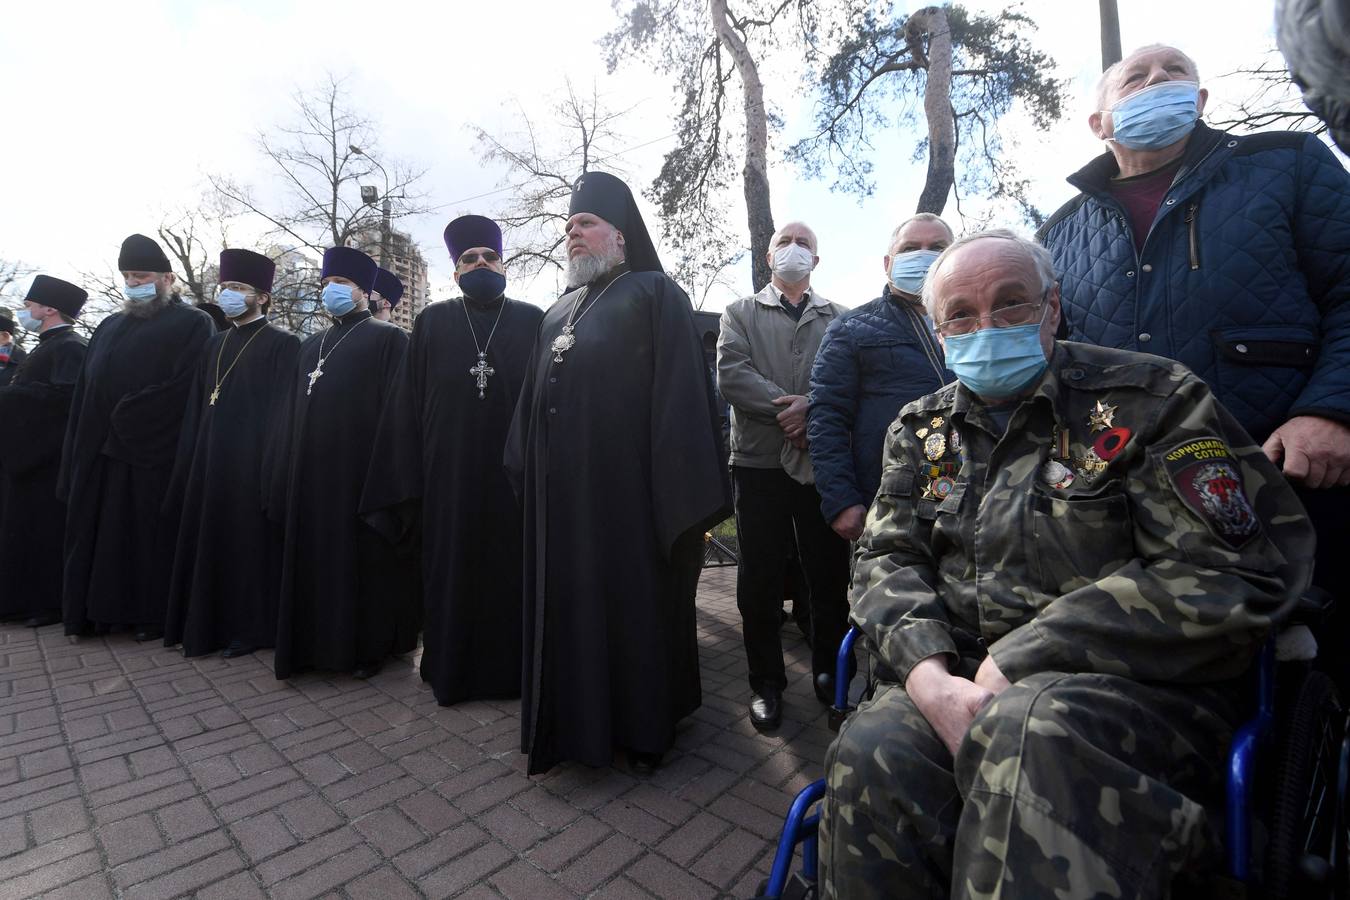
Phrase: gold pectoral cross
[313,377]
[215,395]
[481,371]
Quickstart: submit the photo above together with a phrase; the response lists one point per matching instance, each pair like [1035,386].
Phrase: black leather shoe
[44,619]
[141,635]
[824,684]
[766,710]
[236,648]
[643,763]
[367,670]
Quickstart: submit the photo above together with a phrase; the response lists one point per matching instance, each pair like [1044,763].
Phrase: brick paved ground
[126,770]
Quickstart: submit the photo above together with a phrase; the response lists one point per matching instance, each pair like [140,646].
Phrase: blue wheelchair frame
[1248,742]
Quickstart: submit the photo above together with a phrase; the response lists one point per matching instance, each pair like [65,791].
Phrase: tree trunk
[1110,16]
[937,103]
[759,211]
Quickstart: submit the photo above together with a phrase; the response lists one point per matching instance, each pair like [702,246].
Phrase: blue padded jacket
[872,361]
[1244,276]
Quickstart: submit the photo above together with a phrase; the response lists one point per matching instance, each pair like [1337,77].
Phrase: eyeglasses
[487,256]
[1003,317]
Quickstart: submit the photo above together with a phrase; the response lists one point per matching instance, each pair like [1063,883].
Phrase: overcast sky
[115,112]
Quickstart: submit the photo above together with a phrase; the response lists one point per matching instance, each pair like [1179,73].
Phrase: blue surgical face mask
[908,270]
[29,321]
[337,298]
[140,293]
[232,303]
[997,362]
[482,285]
[1157,116]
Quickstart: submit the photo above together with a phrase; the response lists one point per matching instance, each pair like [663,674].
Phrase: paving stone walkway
[129,771]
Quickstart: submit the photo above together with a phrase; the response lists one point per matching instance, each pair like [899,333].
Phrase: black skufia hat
[602,194]
[60,295]
[142,254]
[247,267]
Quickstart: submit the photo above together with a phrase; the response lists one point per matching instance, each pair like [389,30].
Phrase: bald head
[1140,68]
[794,233]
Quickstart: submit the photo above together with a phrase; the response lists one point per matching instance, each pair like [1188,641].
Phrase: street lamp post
[386,208]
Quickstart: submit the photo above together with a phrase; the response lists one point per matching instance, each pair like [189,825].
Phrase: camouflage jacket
[1123,524]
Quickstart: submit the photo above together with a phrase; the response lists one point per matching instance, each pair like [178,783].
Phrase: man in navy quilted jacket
[1228,253]
[872,361]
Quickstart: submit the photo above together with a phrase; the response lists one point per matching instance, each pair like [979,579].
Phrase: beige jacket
[762,354]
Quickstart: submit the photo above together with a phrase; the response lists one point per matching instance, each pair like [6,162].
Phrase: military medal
[1057,475]
[922,432]
[938,422]
[954,441]
[1109,444]
[1090,465]
[942,486]
[934,446]
[1101,417]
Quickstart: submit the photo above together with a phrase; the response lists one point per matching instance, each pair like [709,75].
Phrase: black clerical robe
[119,450]
[615,454]
[346,599]
[437,474]
[227,567]
[34,408]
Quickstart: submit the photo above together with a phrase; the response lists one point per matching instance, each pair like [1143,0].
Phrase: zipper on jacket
[1195,241]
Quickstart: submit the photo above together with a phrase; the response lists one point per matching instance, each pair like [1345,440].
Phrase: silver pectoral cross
[215,395]
[313,377]
[481,371]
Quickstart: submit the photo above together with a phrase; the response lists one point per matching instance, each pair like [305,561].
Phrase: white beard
[584,269]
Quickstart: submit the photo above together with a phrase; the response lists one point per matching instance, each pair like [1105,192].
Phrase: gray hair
[1114,69]
[1039,256]
[918,217]
[815,241]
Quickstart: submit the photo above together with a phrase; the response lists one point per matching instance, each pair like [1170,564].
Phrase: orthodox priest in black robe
[347,601]
[34,408]
[614,451]
[227,568]
[119,449]
[437,471]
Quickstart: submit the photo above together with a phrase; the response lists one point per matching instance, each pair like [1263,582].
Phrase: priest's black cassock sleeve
[436,473]
[115,466]
[615,454]
[34,408]
[346,599]
[227,567]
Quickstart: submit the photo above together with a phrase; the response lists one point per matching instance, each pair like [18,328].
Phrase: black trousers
[773,511]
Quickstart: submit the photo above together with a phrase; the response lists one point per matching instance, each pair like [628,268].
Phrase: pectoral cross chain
[481,371]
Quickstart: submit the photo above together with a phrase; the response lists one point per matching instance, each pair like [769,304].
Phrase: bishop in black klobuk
[223,593]
[125,421]
[347,602]
[436,480]
[615,452]
[34,408]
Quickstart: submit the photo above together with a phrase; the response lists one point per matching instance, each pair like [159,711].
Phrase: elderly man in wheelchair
[1073,560]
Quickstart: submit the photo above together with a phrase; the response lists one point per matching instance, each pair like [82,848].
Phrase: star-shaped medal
[1101,417]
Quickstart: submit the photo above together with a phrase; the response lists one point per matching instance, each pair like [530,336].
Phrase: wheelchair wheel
[1306,832]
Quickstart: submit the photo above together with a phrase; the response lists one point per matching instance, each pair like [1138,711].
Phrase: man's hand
[1316,451]
[849,523]
[948,702]
[793,419]
[990,677]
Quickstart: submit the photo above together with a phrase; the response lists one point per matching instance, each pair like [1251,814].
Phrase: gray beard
[584,269]
[147,309]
